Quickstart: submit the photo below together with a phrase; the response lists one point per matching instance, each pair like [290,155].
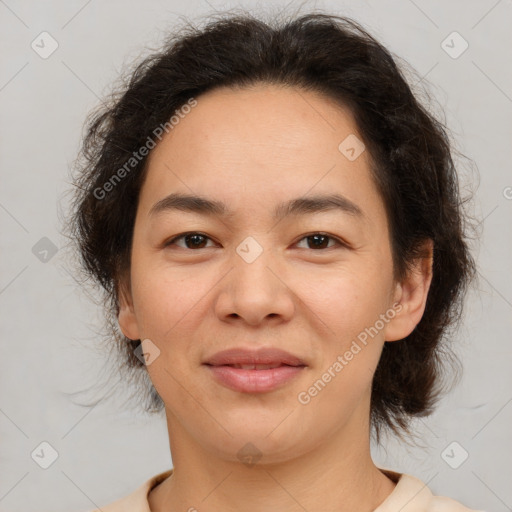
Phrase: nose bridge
[252,262]
[250,250]
[255,290]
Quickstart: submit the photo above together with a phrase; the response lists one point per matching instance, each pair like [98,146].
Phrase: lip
[254,356]
[287,367]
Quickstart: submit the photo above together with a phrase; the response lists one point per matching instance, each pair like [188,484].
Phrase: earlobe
[411,293]
[126,317]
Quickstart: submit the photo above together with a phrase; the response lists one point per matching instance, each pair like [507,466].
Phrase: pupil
[316,237]
[195,239]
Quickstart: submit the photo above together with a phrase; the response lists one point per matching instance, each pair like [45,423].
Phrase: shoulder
[444,504]
[137,501]
[412,495]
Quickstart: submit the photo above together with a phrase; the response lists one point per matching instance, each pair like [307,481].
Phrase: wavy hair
[411,162]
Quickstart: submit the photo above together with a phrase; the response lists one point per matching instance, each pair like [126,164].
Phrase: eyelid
[339,241]
[183,235]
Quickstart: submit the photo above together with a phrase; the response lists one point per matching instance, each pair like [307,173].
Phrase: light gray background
[47,323]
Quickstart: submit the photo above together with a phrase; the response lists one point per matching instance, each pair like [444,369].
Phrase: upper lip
[254,356]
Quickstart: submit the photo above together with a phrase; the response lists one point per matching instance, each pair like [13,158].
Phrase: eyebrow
[298,206]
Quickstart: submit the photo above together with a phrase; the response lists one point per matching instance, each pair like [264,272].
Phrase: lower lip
[254,381]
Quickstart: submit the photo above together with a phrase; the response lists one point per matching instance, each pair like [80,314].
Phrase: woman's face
[249,279]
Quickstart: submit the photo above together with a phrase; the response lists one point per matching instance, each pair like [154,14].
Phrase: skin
[252,149]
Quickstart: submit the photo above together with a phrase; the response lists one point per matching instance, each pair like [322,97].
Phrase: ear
[411,293]
[126,317]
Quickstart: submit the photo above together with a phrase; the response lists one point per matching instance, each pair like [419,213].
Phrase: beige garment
[409,495]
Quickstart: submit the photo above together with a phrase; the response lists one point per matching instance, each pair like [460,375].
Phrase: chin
[260,443]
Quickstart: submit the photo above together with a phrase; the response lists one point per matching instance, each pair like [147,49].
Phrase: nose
[255,291]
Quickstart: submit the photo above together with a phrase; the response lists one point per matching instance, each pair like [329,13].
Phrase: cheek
[348,352]
[347,300]
[164,301]
[349,305]
[169,306]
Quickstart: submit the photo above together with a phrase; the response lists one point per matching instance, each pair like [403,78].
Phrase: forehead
[259,119]
[258,144]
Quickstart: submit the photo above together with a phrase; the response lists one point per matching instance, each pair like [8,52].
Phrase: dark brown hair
[411,157]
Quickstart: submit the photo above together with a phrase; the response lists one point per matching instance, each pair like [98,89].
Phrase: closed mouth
[258,366]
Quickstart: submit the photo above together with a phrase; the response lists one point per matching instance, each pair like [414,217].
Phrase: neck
[337,475]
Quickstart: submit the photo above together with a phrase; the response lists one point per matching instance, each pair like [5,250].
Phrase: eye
[195,239]
[319,240]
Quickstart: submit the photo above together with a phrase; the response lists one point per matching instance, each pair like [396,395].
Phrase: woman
[276,223]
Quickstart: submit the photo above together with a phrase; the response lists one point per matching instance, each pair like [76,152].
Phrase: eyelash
[327,235]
